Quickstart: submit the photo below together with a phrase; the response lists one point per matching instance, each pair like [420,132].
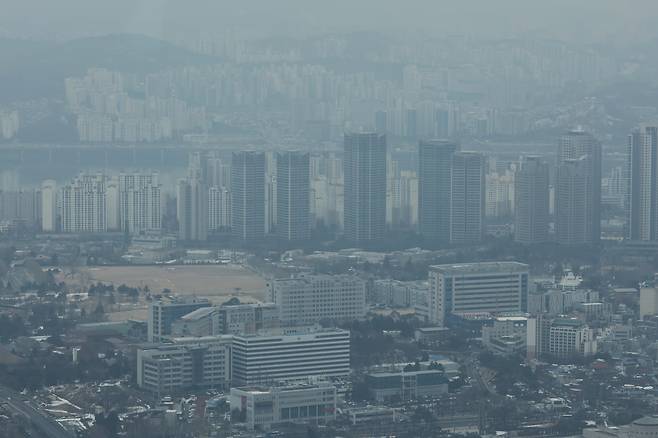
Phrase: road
[45,424]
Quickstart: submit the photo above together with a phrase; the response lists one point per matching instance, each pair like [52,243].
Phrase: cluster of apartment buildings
[107,110]
[98,203]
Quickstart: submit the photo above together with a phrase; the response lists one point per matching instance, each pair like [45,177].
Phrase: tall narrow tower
[642,195]
[434,188]
[531,201]
[293,191]
[468,197]
[248,196]
[578,223]
[364,166]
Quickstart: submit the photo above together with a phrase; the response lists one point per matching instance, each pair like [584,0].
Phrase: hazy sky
[586,20]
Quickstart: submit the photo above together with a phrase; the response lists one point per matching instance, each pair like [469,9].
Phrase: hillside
[32,70]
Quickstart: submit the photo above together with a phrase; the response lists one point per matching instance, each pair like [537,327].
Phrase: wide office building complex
[266,358]
[493,287]
[308,299]
[271,358]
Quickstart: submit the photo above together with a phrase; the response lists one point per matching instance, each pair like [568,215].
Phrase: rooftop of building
[572,322]
[309,279]
[480,268]
[432,329]
[191,340]
[284,386]
[651,420]
[198,314]
[180,300]
[382,374]
[247,306]
[518,318]
[279,332]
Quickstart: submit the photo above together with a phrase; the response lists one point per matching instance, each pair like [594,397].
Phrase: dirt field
[216,282]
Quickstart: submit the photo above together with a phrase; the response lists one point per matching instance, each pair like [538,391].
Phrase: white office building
[307,300]
[494,287]
[295,355]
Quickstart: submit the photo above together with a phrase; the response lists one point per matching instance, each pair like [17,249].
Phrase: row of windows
[307,411]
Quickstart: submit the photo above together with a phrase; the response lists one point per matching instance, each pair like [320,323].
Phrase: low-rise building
[200,322]
[505,335]
[248,318]
[397,293]
[263,407]
[163,313]
[431,335]
[227,319]
[406,385]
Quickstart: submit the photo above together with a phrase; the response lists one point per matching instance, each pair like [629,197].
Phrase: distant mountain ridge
[33,69]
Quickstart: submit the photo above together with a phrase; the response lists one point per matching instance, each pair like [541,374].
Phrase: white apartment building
[219,208]
[139,202]
[49,206]
[495,287]
[500,194]
[307,300]
[83,205]
[297,403]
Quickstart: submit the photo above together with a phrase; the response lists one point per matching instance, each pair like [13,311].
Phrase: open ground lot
[204,280]
[218,283]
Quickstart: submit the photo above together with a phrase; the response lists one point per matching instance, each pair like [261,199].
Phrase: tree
[436,366]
